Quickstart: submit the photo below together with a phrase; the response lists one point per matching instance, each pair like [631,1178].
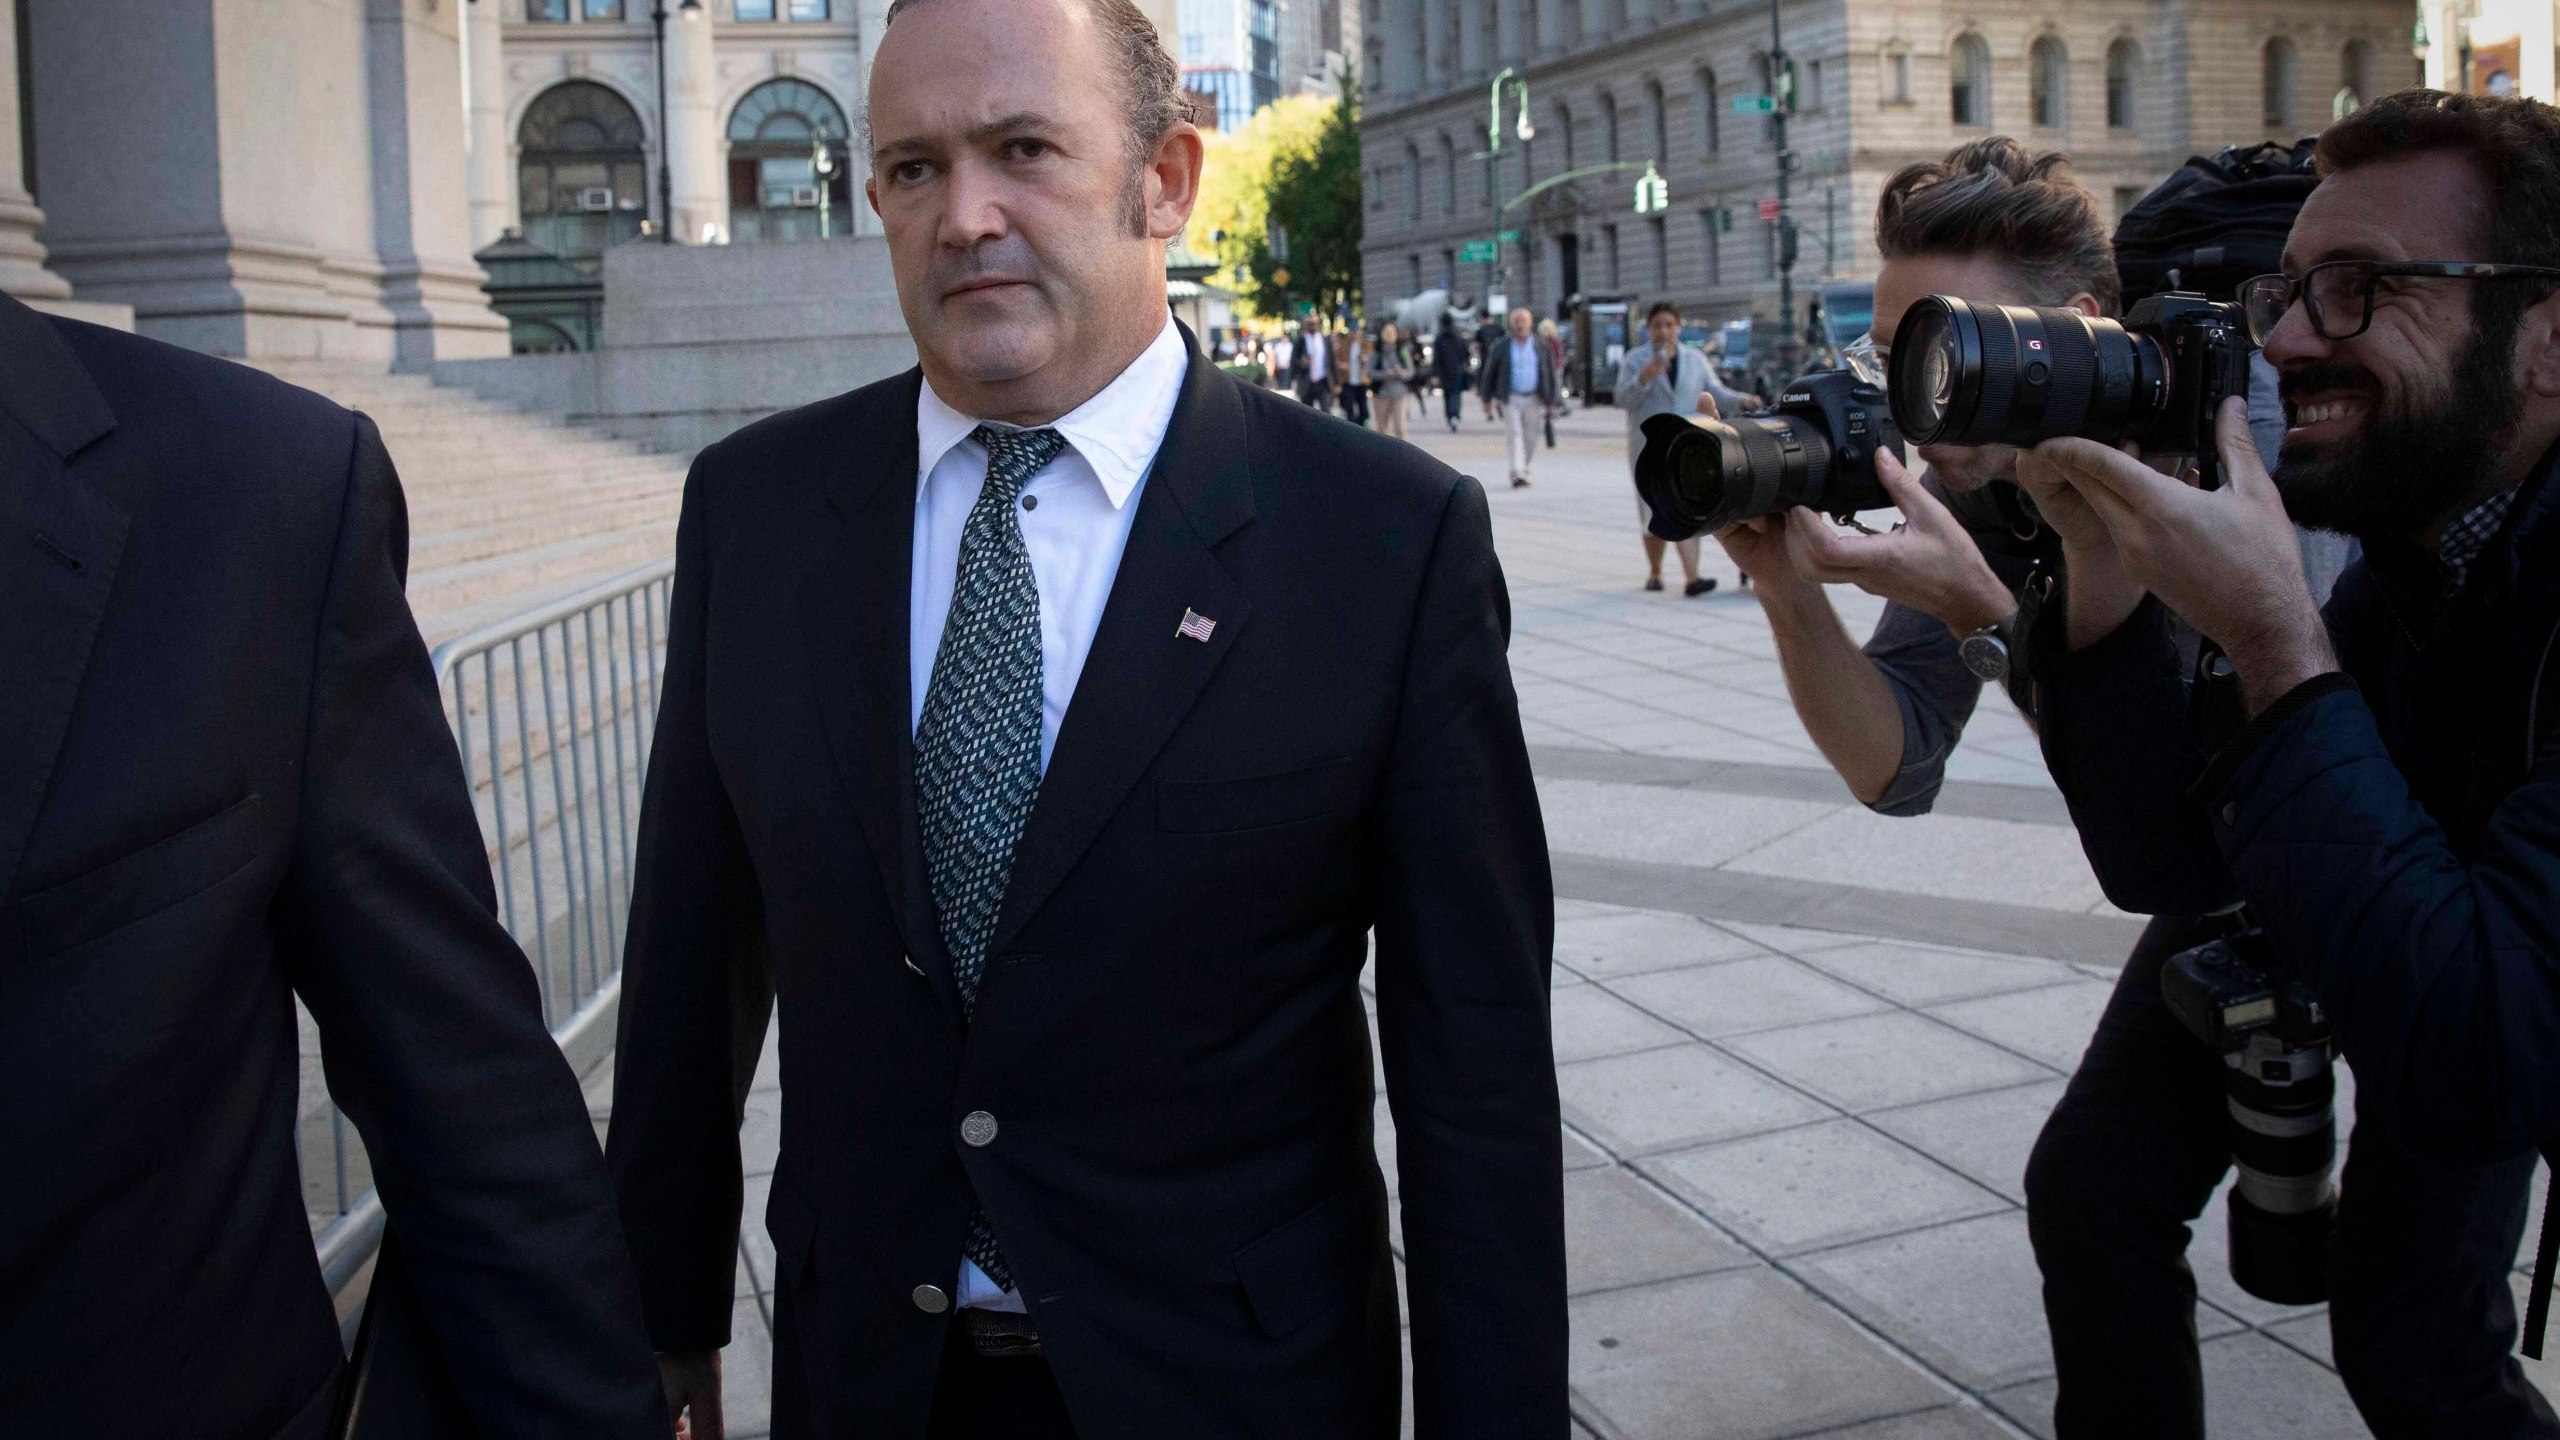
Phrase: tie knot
[1014,456]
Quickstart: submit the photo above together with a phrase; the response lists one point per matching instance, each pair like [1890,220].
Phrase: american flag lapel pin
[1195,626]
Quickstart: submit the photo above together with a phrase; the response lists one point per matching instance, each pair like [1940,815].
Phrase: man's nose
[2294,340]
[972,207]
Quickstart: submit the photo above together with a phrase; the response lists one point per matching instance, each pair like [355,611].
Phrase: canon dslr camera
[1815,448]
[1972,375]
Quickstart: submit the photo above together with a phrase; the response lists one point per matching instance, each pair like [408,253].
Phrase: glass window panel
[808,9]
[533,189]
[603,9]
[755,9]
[552,12]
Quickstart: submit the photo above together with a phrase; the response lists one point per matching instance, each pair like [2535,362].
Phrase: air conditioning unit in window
[805,196]
[596,197]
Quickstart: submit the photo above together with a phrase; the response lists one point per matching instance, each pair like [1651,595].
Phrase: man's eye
[910,172]
[1028,149]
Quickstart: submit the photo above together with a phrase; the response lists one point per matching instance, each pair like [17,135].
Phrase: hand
[1928,562]
[2225,560]
[693,1392]
[1758,548]
[1707,406]
[1652,372]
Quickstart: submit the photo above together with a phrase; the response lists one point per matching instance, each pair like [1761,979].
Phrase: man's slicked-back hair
[1994,198]
[1150,81]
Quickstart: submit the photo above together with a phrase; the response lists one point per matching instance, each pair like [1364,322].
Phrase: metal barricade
[553,711]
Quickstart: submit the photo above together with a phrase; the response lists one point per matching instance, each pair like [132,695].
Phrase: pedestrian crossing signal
[1653,193]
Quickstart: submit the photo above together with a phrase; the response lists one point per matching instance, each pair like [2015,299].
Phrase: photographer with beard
[2387,802]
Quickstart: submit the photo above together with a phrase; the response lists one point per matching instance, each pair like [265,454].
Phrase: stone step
[442,548]
[453,598]
[473,509]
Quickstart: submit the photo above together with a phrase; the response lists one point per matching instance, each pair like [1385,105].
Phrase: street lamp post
[692,11]
[1498,269]
[1783,99]
[823,162]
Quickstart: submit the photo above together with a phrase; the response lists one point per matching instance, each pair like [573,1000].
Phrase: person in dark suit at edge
[226,780]
[1053,724]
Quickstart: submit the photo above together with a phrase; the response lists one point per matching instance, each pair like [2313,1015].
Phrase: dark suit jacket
[225,779]
[1170,1031]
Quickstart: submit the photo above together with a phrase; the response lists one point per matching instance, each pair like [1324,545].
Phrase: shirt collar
[1117,431]
[2467,534]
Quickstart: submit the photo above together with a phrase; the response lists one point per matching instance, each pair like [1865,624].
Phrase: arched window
[581,175]
[774,189]
[1661,123]
[1969,80]
[1710,109]
[2355,78]
[1448,177]
[1413,184]
[1609,128]
[2279,70]
[2124,64]
[1564,133]
[2048,84]
[1895,79]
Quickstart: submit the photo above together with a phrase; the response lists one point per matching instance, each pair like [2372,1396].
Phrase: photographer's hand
[2226,560]
[2098,596]
[1928,563]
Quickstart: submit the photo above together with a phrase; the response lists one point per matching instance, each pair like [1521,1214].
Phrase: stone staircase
[507,509]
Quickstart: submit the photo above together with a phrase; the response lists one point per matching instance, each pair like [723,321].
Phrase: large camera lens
[1702,475]
[1967,374]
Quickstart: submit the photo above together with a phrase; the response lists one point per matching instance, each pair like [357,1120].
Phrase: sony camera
[2275,1046]
[1815,448]
[1971,375]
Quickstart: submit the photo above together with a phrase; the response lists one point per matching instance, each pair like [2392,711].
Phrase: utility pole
[1783,97]
[1496,271]
[666,199]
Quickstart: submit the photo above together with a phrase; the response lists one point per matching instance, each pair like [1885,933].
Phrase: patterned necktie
[978,746]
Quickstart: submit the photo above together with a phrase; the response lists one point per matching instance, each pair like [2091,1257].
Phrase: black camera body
[2275,1045]
[1971,374]
[1815,448]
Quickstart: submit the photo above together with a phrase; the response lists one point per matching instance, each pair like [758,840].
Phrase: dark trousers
[1453,398]
[1355,404]
[1316,393]
[2422,1321]
[1010,1398]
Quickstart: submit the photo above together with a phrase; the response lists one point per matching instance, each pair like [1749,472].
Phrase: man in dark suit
[225,780]
[1053,725]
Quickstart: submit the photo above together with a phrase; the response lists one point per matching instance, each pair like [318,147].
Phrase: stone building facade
[2127,87]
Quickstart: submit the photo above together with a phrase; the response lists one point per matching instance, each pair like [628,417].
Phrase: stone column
[1474,45]
[492,151]
[694,175]
[22,271]
[421,196]
[1437,66]
[1552,29]
[1508,44]
[2533,50]
[1595,22]
[1403,50]
[2444,44]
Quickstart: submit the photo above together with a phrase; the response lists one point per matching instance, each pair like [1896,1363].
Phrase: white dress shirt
[1075,516]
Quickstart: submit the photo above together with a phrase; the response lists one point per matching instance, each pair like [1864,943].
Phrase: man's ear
[2086,304]
[871,192]
[2538,349]
[1174,175]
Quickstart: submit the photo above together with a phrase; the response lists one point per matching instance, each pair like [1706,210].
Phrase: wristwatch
[1986,651]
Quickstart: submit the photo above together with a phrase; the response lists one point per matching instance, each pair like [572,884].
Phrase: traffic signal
[1787,243]
[1653,193]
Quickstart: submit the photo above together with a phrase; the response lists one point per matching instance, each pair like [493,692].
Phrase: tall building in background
[2128,88]
[1230,50]
[2490,47]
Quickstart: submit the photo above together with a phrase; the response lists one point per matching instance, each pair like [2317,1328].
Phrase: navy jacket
[226,780]
[2395,827]
[1170,1031]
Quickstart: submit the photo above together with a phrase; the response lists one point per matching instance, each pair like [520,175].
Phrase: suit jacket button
[930,1299]
[978,1129]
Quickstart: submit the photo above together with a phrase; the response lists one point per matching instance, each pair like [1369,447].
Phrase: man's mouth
[2313,419]
[983,283]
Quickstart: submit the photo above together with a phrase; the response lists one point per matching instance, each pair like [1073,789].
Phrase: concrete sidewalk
[1803,1049]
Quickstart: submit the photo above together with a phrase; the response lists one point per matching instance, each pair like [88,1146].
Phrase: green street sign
[1476,252]
[1509,237]
[1755,104]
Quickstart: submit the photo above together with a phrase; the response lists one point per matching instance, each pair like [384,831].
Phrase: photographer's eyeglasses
[2338,295]
[1868,360]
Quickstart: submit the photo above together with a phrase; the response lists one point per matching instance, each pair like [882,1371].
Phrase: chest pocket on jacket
[142,884]
[1199,807]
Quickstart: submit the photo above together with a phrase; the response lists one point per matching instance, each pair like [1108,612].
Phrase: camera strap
[2546,1254]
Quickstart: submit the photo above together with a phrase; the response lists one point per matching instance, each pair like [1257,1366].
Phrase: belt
[1000,1334]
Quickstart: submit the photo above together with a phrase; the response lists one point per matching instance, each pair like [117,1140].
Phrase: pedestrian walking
[1551,349]
[1352,348]
[1394,379]
[1313,367]
[1520,382]
[1449,369]
[1665,377]
[1489,335]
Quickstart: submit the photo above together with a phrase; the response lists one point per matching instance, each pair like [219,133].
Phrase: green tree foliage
[1314,198]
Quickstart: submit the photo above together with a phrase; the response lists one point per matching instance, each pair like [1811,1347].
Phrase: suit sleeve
[695,992]
[2442,977]
[431,1027]
[1465,937]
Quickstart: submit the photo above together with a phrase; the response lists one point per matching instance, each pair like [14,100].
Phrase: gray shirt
[1673,392]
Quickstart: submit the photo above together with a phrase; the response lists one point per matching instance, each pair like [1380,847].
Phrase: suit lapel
[854,617]
[1141,677]
[61,542]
